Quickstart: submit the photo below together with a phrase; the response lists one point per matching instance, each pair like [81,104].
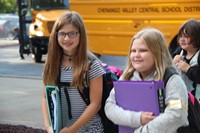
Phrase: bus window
[49,4]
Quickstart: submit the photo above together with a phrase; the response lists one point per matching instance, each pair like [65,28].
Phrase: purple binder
[139,96]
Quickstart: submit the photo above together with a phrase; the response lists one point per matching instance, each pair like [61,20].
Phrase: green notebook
[54,108]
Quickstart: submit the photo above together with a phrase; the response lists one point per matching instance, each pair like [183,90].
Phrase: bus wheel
[37,56]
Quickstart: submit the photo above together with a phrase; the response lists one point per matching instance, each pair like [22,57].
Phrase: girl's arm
[45,113]
[120,116]
[175,114]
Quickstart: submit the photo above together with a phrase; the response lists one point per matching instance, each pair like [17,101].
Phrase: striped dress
[77,104]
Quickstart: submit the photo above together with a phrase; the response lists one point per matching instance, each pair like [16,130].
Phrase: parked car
[8,26]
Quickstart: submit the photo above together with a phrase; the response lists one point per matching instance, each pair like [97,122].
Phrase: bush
[6,128]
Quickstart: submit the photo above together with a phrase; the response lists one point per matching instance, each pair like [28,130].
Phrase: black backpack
[111,74]
[193,108]
[108,78]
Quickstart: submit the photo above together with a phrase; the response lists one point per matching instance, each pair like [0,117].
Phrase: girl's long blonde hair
[156,44]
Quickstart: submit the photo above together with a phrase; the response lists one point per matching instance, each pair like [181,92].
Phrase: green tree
[8,6]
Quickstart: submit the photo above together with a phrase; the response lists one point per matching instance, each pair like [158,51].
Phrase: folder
[139,96]
[54,108]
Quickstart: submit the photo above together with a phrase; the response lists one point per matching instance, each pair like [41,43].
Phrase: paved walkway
[16,108]
[20,103]
[7,43]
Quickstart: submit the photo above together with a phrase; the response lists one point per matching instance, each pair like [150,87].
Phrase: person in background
[148,59]
[187,58]
[16,30]
[68,55]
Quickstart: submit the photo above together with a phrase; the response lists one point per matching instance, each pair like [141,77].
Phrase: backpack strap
[83,93]
[198,59]
[168,73]
[191,97]
[86,75]
[177,51]
[65,85]
[68,103]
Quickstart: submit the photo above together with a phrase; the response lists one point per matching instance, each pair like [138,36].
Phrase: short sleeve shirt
[78,105]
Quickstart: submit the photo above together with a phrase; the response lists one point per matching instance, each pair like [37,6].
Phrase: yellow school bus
[112,23]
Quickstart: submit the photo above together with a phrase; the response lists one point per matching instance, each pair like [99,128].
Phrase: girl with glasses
[67,62]
[187,58]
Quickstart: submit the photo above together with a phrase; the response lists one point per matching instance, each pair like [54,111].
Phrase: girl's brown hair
[191,28]
[55,52]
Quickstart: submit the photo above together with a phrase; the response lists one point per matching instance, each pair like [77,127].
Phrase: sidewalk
[7,43]
[20,102]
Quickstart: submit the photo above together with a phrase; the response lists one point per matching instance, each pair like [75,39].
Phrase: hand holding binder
[139,96]
[54,109]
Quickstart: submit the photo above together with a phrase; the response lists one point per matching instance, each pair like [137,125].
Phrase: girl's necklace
[68,56]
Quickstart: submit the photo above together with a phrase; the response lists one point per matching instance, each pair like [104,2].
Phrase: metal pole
[20,22]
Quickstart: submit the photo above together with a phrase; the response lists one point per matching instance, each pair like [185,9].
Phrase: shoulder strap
[191,97]
[177,51]
[86,75]
[168,73]
[198,59]
[61,83]
[84,92]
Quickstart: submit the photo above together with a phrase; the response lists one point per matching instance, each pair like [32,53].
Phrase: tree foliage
[8,6]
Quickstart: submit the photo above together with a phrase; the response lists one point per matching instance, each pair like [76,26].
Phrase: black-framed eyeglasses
[71,34]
